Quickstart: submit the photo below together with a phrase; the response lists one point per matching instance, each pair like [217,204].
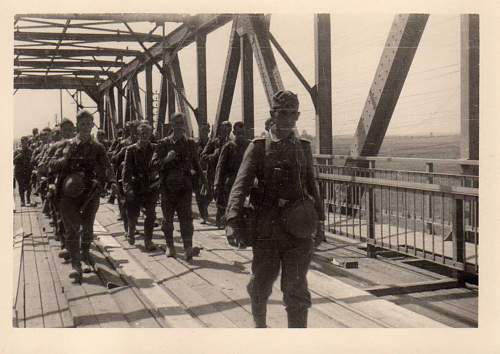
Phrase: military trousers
[78,226]
[202,200]
[24,187]
[133,207]
[180,203]
[293,257]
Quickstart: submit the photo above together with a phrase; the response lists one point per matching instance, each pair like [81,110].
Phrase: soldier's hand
[170,156]
[232,233]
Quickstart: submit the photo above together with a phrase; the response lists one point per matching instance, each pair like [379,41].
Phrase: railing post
[429,168]
[459,238]
[370,242]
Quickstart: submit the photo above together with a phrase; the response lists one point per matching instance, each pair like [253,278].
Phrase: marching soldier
[117,160]
[286,200]
[67,132]
[227,168]
[202,200]
[101,138]
[82,172]
[210,156]
[22,171]
[176,159]
[137,180]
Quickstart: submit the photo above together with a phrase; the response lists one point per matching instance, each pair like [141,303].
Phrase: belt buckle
[282,202]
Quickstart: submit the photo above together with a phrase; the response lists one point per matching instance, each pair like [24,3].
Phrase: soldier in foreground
[22,171]
[82,170]
[175,159]
[227,168]
[289,213]
[137,180]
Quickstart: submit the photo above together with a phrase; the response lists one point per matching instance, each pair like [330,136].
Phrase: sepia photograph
[246,170]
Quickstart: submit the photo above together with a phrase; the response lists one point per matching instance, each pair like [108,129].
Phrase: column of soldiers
[275,171]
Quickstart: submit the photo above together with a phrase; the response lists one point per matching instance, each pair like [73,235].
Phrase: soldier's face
[179,127]
[285,121]
[67,131]
[84,126]
[24,143]
[226,129]
[238,130]
[144,134]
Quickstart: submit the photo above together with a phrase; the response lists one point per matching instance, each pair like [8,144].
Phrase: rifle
[94,190]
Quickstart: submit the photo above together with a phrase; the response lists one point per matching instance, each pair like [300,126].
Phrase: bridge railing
[430,221]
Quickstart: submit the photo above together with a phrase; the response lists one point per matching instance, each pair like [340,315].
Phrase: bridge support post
[247,97]
[458,235]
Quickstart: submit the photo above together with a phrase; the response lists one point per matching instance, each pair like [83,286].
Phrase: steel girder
[397,56]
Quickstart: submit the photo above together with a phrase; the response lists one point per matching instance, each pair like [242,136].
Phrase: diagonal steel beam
[228,79]
[65,28]
[180,92]
[257,28]
[397,56]
[179,38]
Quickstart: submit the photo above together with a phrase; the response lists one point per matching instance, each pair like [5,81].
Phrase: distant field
[441,147]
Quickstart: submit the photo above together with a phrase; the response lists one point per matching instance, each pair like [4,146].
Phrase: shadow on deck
[132,288]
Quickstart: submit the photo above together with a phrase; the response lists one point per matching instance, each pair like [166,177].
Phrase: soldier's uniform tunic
[277,169]
[227,168]
[137,176]
[176,186]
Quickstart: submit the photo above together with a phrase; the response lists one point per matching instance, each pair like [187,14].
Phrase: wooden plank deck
[132,288]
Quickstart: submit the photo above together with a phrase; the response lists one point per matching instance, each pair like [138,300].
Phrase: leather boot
[76,273]
[170,251]
[297,318]
[259,315]
[64,253]
[87,260]
[149,246]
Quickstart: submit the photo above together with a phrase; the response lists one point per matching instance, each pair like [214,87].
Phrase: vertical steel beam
[136,100]
[201,61]
[112,112]
[397,56]
[162,106]
[100,109]
[179,83]
[258,30]
[120,104]
[228,80]
[170,94]
[149,93]
[323,73]
[247,97]
[469,86]
[128,104]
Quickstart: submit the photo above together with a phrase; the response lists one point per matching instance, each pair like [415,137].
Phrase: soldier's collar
[172,137]
[274,138]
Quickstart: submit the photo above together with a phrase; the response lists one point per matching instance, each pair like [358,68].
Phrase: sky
[429,101]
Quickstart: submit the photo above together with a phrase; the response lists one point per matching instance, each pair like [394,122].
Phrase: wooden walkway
[132,288]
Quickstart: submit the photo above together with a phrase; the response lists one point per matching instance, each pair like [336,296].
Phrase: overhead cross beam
[118,17]
[54,82]
[86,37]
[397,56]
[45,52]
[64,64]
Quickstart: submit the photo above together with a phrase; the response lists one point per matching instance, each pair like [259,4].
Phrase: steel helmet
[73,185]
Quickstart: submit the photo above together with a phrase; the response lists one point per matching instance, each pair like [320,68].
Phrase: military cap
[285,100]
[66,121]
[83,114]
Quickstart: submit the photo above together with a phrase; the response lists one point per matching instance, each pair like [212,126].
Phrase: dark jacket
[137,174]
[177,174]
[277,169]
